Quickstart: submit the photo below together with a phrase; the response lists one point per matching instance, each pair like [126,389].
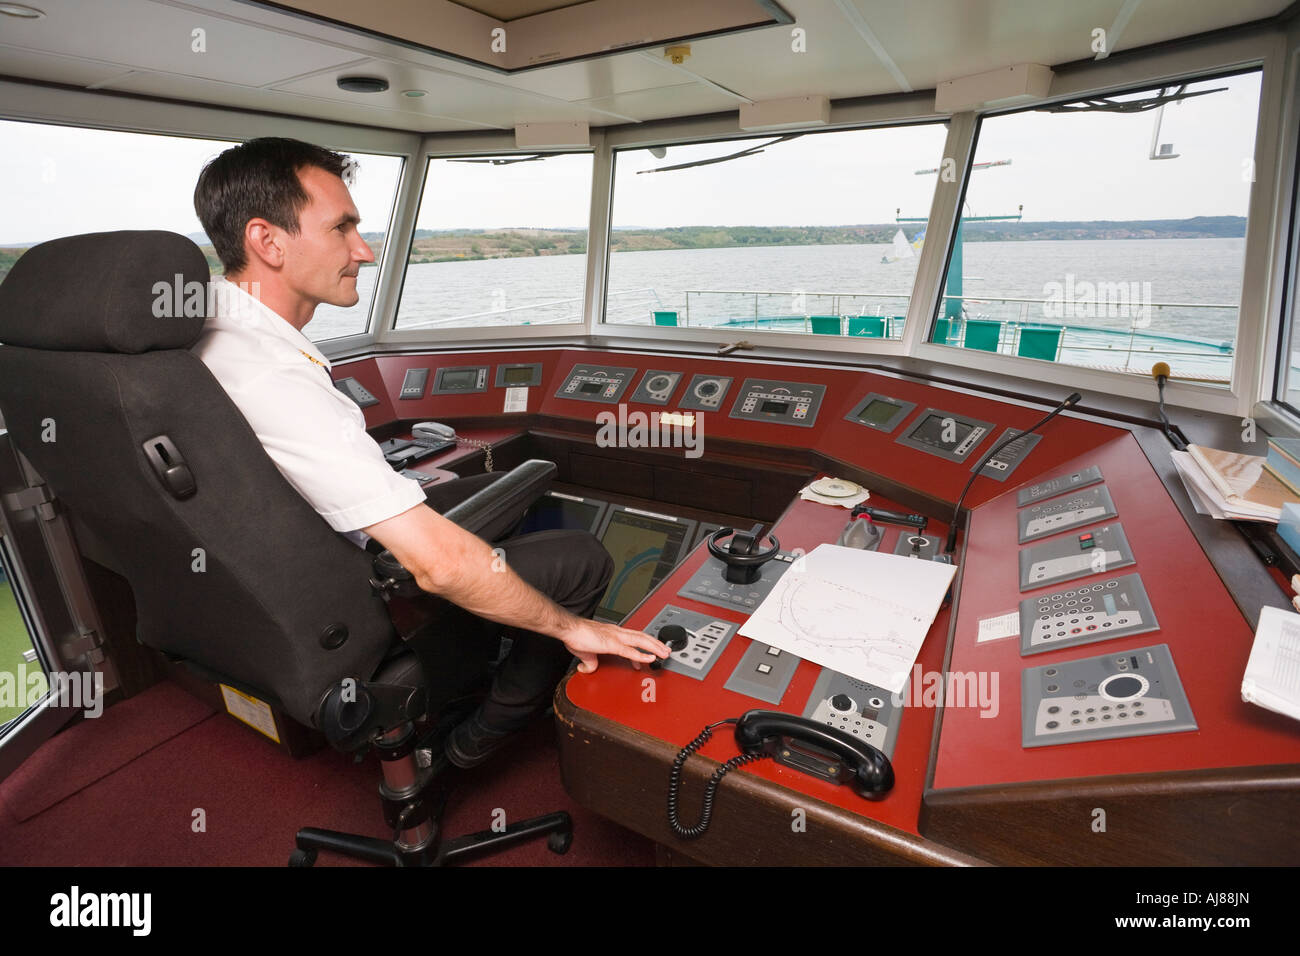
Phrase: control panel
[356,391]
[709,585]
[413,384]
[705,392]
[1001,465]
[857,707]
[591,383]
[788,403]
[461,381]
[656,387]
[707,637]
[1086,614]
[1074,556]
[1128,694]
[880,412]
[1064,513]
[764,672]
[526,374]
[946,434]
[1059,486]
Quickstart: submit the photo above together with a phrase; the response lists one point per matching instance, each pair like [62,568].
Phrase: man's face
[322,261]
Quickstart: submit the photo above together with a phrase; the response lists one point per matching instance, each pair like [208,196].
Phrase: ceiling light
[414,94]
[363,84]
[21,11]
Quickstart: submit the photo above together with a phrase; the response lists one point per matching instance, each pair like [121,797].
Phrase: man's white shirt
[315,434]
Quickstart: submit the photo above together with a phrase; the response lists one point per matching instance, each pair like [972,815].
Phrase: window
[63,180]
[815,233]
[1109,233]
[499,241]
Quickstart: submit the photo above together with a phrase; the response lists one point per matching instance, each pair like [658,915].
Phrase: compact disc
[835,487]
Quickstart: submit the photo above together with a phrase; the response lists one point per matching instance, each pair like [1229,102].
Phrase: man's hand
[586,639]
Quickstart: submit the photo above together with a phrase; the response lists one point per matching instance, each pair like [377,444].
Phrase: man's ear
[261,239]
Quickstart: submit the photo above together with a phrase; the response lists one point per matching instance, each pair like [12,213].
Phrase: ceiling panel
[16,61]
[684,100]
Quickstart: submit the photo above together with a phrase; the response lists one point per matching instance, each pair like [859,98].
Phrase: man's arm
[449,561]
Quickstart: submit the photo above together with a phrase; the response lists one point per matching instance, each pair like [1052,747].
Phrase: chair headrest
[135,291]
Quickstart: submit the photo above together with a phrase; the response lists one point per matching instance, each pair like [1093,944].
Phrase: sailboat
[902,249]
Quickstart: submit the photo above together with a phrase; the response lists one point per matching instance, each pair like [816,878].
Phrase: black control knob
[842,702]
[675,636]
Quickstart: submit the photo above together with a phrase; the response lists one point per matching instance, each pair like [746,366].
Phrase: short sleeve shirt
[315,435]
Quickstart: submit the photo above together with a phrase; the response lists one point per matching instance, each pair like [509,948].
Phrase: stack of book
[1225,484]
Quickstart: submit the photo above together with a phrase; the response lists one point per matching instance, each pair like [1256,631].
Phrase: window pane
[1109,239]
[816,234]
[499,241]
[64,180]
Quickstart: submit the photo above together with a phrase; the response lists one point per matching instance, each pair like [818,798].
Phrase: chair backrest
[982,334]
[872,326]
[666,318]
[825,324]
[242,576]
[1039,343]
[941,329]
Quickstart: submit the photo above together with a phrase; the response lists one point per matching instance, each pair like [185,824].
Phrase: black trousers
[569,567]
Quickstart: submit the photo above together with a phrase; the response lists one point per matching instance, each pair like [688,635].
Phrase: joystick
[675,636]
[743,556]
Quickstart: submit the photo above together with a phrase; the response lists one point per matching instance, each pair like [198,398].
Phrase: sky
[57,181]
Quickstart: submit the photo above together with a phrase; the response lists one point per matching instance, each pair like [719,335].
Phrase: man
[284,226]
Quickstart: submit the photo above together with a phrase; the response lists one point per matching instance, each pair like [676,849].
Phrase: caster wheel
[559,843]
[302,858]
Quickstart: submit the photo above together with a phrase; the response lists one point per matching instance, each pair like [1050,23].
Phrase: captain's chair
[231,568]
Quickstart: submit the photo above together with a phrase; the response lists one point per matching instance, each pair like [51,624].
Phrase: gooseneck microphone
[1160,372]
[951,543]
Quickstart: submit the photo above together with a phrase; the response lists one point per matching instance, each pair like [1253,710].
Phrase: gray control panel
[705,393]
[1058,486]
[946,434]
[593,383]
[763,673]
[1126,694]
[524,375]
[880,411]
[708,637]
[1064,513]
[1086,614]
[1074,556]
[923,546]
[857,707]
[709,585]
[1005,461]
[656,387]
[356,391]
[460,381]
[787,403]
[413,383]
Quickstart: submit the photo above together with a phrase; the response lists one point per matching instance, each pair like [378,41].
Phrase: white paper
[1004,625]
[862,613]
[1272,678]
[516,399]
[1217,505]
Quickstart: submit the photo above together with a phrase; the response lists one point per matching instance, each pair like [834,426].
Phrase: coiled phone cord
[485,445]
[710,791]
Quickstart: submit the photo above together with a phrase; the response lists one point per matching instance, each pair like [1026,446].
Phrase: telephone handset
[814,748]
[430,434]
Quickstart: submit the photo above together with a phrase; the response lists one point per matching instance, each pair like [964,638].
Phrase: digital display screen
[460,378]
[522,373]
[552,513]
[590,388]
[942,430]
[774,408]
[644,548]
[878,412]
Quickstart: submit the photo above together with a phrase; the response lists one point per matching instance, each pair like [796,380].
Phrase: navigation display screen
[553,513]
[644,548]
[523,373]
[460,378]
[934,431]
[877,413]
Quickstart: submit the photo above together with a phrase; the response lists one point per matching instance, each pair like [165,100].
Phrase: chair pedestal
[415,822]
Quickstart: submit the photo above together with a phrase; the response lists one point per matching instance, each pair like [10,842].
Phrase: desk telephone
[429,438]
[797,742]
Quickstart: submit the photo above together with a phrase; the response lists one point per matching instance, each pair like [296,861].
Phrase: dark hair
[258,179]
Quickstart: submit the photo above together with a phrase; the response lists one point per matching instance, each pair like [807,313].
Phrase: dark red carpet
[154,782]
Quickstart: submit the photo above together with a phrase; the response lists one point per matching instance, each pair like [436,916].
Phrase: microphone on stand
[951,543]
[1160,372]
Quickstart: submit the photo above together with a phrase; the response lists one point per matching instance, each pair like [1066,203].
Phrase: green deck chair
[825,324]
[872,326]
[665,318]
[1039,343]
[940,334]
[982,334]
